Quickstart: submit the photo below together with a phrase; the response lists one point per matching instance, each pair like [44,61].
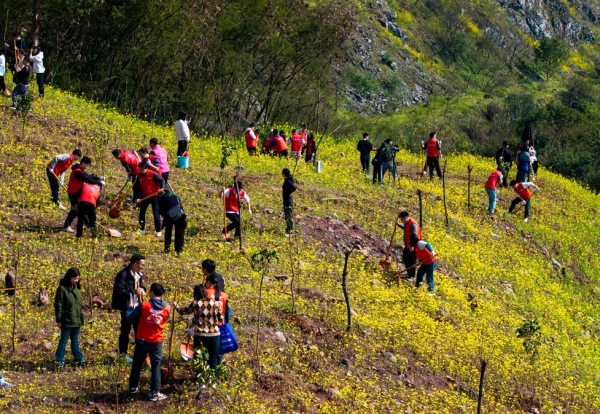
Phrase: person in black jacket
[365,147]
[172,212]
[288,202]
[129,284]
[21,79]
[504,160]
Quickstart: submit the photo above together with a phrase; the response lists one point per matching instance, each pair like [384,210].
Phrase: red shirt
[296,142]
[62,166]
[132,160]
[151,327]
[75,184]
[432,147]
[90,193]
[523,192]
[493,180]
[250,138]
[280,145]
[426,255]
[148,183]
[409,228]
[231,200]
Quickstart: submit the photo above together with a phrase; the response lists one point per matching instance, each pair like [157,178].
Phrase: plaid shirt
[207,316]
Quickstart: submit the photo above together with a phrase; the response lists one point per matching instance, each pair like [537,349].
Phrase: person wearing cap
[163,158]
[491,186]
[37,59]
[77,179]
[151,184]
[233,197]
[428,259]
[523,196]
[129,284]
[504,159]
[56,168]
[182,133]
[365,147]
[411,227]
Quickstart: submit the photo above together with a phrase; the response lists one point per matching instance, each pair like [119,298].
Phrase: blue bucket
[183,162]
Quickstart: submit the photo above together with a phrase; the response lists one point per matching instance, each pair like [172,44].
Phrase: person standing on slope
[251,139]
[182,133]
[365,147]
[163,158]
[86,209]
[288,201]
[433,150]
[57,168]
[77,179]
[37,59]
[411,227]
[491,186]
[233,197]
[151,183]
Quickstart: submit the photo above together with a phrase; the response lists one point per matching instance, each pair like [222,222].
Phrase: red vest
[424,256]
[90,193]
[304,136]
[296,142]
[523,192]
[148,183]
[75,184]
[250,142]
[493,180]
[151,327]
[432,149]
[231,201]
[132,160]
[62,166]
[310,147]
[407,232]
[280,145]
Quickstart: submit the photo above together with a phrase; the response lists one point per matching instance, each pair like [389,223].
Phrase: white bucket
[319,166]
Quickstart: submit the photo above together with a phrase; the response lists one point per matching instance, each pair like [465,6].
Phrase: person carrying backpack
[170,208]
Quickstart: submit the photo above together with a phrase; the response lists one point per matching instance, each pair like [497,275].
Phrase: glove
[51,172]
[102,183]
[524,202]
[249,211]
[422,143]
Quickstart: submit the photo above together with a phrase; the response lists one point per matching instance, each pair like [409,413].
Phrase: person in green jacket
[69,315]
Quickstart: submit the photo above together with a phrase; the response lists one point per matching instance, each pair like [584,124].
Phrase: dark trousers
[18,91]
[143,348]
[251,150]
[535,166]
[165,176]
[518,200]
[180,226]
[54,185]
[212,345]
[74,199]
[39,77]
[376,172]
[124,333]
[409,259]
[182,146]
[434,164]
[2,84]
[235,223]
[289,218]
[153,201]
[365,161]
[86,214]
[283,153]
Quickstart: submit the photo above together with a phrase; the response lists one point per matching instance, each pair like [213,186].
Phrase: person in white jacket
[37,60]
[2,72]
[182,132]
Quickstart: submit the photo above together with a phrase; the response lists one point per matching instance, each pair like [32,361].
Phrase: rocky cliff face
[377,58]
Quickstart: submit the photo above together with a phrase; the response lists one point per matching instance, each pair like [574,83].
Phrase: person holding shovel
[130,160]
[151,317]
[36,57]
[77,179]
[428,259]
[129,284]
[86,209]
[151,185]
[411,227]
[523,196]
[69,316]
[57,168]
[233,198]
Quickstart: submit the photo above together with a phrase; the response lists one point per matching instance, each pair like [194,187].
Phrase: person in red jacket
[491,186]
[151,184]
[151,317]
[77,179]
[523,196]
[411,227]
[433,148]
[151,160]
[278,145]
[296,143]
[311,148]
[57,168]
[251,139]
[86,209]
[232,207]
[428,259]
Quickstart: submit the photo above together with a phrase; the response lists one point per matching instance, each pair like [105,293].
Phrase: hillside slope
[406,352]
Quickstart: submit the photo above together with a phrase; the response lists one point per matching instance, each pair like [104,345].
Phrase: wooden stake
[444,188]
[481,377]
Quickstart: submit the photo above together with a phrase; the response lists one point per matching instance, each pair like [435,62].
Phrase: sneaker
[157,396]
[128,359]
[525,220]
[141,232]
[60,205]
[431,293]
[133,390]
[68,229]
[159,234]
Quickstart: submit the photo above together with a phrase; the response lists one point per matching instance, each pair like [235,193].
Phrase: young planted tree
[23,107]
[347,254]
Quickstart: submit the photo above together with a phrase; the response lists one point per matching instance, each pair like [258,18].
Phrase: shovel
[115,212]
[112,232]
[385,264]
[169,372]
[117,200]
[187,349]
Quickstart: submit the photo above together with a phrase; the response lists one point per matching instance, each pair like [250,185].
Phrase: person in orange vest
[57,168]
[278,145]
[151,160]
[428,259]
[296,144]
[311,148]
[130,160]
[152,315]
[433,148]
[251,139]
[523,196]
[411,227]
[491,186]
[77,179]
[86,209]
[232,207]
[151,184]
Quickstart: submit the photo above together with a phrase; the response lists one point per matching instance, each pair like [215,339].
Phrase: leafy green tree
[549,54]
